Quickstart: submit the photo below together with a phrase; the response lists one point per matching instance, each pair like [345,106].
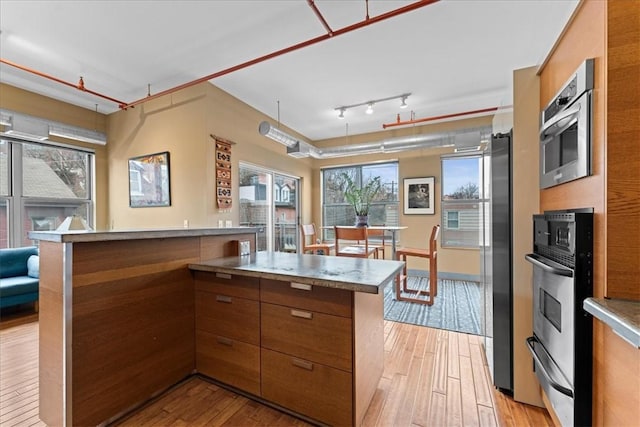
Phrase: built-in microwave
[565,131]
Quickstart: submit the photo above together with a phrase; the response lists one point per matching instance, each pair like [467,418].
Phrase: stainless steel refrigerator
[497,264]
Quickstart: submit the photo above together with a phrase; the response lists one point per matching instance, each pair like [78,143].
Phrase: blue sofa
[19,276]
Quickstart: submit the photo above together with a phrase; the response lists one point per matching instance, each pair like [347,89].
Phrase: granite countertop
[622,316]
[353,274]
[99,236]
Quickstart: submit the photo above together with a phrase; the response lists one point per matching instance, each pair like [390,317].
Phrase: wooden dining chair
[353,235]
[378,246]
[308,232]
[401,279]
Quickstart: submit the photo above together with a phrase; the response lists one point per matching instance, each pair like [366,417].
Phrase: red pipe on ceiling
[384,16]
[79,85]
[123,105]
[313,6]
[446,116]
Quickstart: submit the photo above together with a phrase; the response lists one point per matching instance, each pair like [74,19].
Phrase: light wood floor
[431,378]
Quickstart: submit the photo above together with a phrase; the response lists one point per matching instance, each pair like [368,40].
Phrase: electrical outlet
[220,223]
[228,223]
[186,223]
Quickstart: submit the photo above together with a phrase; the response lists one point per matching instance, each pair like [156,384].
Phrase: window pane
[286,214]
[461,203]
[384,208]
[48,216]
[4,223]
[4,168]
[55,172]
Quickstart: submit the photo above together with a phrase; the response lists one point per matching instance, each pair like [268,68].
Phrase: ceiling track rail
[297,46]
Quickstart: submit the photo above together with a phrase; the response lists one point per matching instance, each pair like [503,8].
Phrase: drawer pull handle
[223,298]
[302,314]
[302,364]
[223,276]
[224,341]
[300,286]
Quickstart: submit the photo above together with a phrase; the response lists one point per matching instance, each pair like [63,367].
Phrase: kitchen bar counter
[104,236]
[117,316]
[622,316]
[352,274]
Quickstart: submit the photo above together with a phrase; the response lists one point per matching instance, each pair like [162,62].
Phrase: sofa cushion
[33,266]
[17,285]
[13,261]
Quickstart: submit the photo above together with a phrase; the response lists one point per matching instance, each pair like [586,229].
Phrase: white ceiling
[453,55]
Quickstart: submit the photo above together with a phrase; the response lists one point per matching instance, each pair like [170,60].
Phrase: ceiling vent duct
[36,129]
[28,127]
[460,139]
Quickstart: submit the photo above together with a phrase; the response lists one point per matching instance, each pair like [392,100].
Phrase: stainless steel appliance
[565,132]
[561,344]
[497,266]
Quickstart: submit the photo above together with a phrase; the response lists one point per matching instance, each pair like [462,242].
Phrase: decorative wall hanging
[223,172]
[419,196]
[149,181]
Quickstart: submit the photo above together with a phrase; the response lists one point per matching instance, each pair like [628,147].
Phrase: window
[337,211]
[41,185]
[276,211]
[453,220]
[461,201]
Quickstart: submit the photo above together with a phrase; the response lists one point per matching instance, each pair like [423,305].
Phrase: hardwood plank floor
[431,378]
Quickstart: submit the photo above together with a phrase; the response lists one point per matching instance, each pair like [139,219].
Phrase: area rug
[456,308]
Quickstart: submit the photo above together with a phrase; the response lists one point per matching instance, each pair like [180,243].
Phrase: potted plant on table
[360,197]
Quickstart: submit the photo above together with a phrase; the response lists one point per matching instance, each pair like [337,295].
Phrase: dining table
[392,229]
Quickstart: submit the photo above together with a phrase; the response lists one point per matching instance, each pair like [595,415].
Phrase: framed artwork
[419,196]
[149,181]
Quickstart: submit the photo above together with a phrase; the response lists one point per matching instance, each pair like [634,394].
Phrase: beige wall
[21,101]
[181,124]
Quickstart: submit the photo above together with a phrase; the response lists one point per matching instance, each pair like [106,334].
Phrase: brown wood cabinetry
[228,329]
[292,344]
[307,354]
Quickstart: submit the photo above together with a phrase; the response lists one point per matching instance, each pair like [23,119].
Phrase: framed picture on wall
[149,184]
[419,196]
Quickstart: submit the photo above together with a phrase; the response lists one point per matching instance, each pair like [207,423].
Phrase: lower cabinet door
[232,362]
[311,389]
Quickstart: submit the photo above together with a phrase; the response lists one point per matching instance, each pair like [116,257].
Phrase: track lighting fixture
[369,109]
[369,104]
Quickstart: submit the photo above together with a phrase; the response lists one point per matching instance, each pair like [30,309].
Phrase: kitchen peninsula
[124,315]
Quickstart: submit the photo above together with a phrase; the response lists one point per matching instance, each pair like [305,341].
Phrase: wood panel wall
[623,150]
[609,32]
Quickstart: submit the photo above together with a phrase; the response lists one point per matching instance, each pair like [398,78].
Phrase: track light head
[341,114]
[403,104]
[369,109]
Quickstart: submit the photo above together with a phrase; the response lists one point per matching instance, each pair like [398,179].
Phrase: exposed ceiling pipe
[446,116]
[458,138]
[313,6]
[79,85]
[331,33]
[463,137]
[384,16]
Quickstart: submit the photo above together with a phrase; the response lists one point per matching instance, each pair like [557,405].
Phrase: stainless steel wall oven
[561,344]
[565,131]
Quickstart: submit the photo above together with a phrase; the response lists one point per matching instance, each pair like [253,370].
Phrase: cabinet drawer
[312,389]
[232,362]
[228,284]
[233,317]
[319,337]
[307,297]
